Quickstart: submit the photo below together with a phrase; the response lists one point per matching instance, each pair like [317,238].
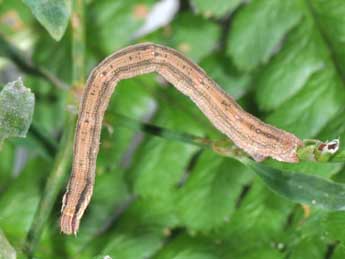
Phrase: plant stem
[52,188]
[223,147]
[48,143]
[58,174]
[78,44]
[311,151]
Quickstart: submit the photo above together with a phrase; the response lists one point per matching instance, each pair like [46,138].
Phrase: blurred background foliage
[284,61]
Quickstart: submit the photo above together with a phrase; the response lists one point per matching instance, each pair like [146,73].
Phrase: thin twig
[27,65]
[223,147]
[313,150]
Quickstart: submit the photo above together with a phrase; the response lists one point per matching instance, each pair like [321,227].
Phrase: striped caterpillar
[255,137]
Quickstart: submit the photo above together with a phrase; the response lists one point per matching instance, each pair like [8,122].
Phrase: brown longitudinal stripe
[258,139]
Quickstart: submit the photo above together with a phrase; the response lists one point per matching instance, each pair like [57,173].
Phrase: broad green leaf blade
[188,39]
[302,85]
[332,224]
[162,163]
[19,202]
[258,29]
[16,110]
[339,252]
[308,112]
[290,69]
[113,23]
[52,14]
[127,245]
[257,223]
[217,8]
[6,250]
[312,247]
[12,14]
[330,16]
[140,233]
[188,247]
[302,188]
[184,35]
[209,196]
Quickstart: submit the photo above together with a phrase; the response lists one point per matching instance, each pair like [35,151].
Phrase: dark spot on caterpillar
[130,57]
[268,135]
[104,73]
[226,104]
[258,131]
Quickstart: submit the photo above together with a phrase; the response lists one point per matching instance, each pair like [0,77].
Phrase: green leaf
[217,8]
[133,99]
[16,110]
[184,35]
[302,188]
[139,244]
[6,250]
[187,38]
[339,252]
[302,85]
[308,112]
[55,57]
[290,69]
[332,223]
[330,21]
[257,224]
[113,23]
[310,247]
[52,14]
[16,19]
[140,232]
[211,192]
[255,230]
[258,29]
[325,170]
[15,216]
[223,72]
[162,163]
[186,247]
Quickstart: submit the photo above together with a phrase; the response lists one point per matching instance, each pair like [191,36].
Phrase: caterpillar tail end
[69,225]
